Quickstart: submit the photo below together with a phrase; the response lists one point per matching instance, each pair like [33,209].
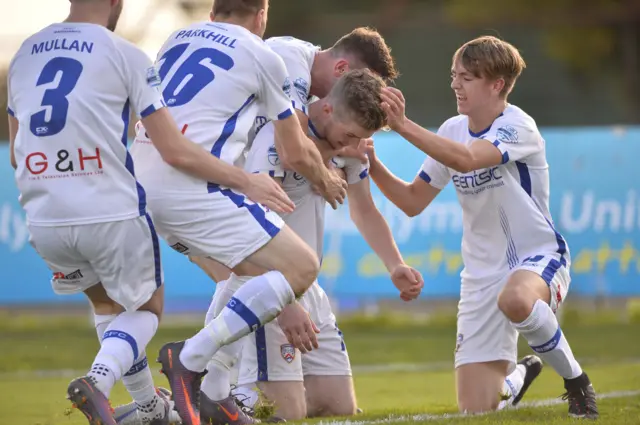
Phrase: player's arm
[13,132]
[375,230]
[372,225]
[412,198]
[482,153]
[181,153]
[294,147]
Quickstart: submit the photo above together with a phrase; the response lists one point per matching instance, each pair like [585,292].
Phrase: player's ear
[498,85]
[340,67]
[327,109]
[212,17]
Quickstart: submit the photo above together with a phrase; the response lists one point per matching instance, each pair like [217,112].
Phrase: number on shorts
[193,75]
[55,99]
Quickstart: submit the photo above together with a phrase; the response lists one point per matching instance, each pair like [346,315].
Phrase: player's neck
[319,84]
[87,14]
[483,118]
[317,117]
[246,23]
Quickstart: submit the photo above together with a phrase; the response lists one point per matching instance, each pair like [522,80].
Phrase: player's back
[211,82]
[71,87]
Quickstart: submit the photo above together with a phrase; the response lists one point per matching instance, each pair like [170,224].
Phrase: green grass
[610,351]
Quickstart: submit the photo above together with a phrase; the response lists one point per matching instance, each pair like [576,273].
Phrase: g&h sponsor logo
[64,164]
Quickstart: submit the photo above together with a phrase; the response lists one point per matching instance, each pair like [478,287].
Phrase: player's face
[341,132]
[472,93]
[114,16]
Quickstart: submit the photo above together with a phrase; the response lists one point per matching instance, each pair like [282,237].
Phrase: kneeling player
[319,382]
[516,265]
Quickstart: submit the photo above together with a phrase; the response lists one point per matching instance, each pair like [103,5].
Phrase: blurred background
[582,85]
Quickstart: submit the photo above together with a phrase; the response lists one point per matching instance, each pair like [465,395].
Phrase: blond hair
[356,95]
[491,58]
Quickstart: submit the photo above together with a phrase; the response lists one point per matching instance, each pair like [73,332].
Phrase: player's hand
[358,152]
[370,150]
[265,190]
[408,281]
[334,189]
[338,171]
[298,327]
[393,104]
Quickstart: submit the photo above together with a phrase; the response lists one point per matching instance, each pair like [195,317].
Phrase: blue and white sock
[256,303]
[542,332]
[124,340]
[217,382]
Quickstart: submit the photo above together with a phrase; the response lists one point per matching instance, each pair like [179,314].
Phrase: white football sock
[217,382]
[543,333]
[512,385]
[217,302]
[123,341]
[138,380]
[256,303]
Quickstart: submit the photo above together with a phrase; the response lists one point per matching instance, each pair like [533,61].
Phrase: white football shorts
[268,356]
[122,255]
[484,332]
[224,225]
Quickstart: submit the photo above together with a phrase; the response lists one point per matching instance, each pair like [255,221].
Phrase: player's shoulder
[284,44]
[454,123]
[515,123]
[349,163]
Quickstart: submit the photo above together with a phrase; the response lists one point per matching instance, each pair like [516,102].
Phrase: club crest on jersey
[302,88]
[288,352]
[507,134]
[153,77]
[273,157]
[286,87]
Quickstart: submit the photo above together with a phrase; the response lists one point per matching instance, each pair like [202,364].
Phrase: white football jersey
[307,220]
[298,57]
[215,77]
[506,219]
[72,87]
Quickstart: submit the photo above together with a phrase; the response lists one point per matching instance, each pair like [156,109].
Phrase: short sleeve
[143,81]
[433,172]
[272,75]
[11,108]
[354,169]
[263,156]
[516,138]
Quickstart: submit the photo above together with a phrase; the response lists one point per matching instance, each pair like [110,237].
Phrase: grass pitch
[402,370]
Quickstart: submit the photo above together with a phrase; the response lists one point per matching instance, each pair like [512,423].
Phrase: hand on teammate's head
[393,103]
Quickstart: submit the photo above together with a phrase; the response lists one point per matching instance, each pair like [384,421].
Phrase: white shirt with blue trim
[307,220]
[506,217]
[72,87]
[215,78]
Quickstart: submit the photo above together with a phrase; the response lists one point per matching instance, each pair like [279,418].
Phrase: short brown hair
[368,47]
[491,58]
[357,95]
[238,7]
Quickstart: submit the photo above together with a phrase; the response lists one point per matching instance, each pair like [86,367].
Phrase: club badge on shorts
[288,352]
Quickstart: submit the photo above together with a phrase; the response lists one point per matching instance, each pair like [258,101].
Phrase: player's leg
[272,365]
[327,371]
[149,404]
[486,349]
[228,229]
[529,300]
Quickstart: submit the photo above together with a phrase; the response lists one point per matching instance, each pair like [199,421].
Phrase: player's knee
[303,271]
[476,405]
[321,408]
[515,302]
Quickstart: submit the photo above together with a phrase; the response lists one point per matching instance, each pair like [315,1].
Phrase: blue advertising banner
[595,203]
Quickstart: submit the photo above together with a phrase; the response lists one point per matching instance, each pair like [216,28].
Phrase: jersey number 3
[55,99]
[193,75]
